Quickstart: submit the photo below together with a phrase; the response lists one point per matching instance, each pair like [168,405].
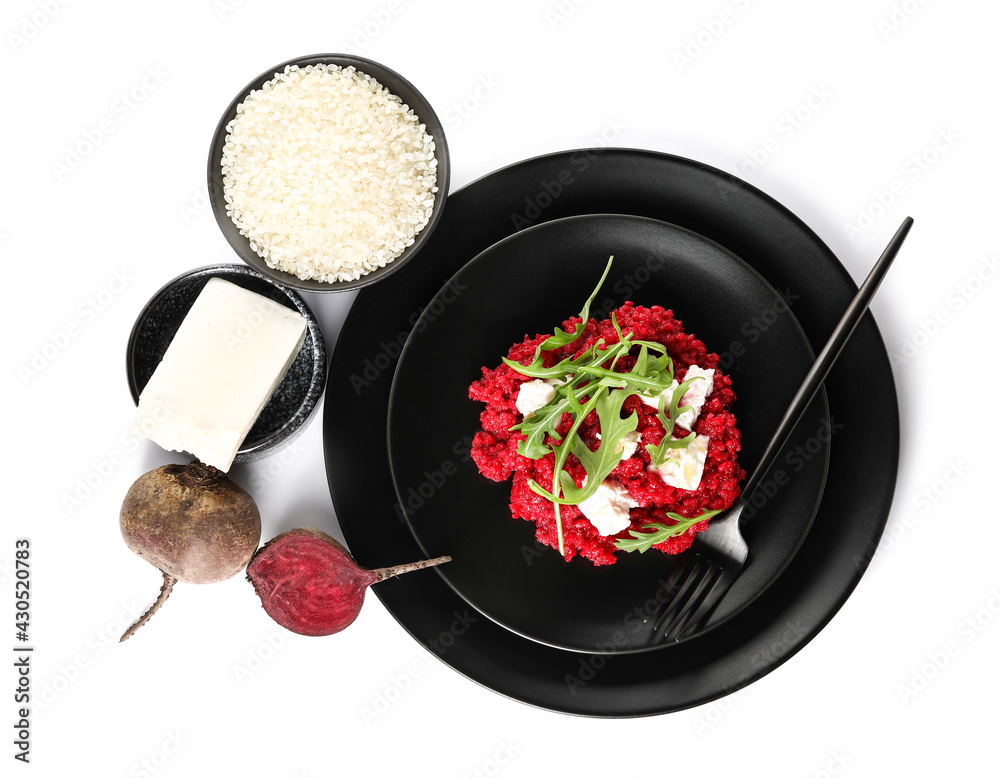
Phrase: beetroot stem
[168,585]
[390,572]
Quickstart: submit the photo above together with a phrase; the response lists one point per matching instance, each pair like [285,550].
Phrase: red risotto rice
[649,497]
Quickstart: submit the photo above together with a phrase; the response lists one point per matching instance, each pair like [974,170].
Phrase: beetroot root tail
[165,589]
[391,572]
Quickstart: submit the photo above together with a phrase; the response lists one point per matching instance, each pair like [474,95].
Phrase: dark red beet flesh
[309,583]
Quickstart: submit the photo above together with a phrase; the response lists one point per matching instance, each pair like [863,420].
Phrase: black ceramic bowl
[398,86]
[285,415]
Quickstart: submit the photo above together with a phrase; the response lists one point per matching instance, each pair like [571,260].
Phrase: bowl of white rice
[328,173]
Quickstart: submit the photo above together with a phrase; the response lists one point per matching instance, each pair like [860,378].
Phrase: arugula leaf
[562,453]
[658,452]
[561,337]
[541,423]
[601,462]
[579,412]
[545,419]
[594,381]
[643,541]
[567,367]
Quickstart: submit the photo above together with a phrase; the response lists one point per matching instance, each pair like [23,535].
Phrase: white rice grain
[327,173]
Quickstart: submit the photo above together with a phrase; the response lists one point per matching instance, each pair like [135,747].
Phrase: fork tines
[679,604]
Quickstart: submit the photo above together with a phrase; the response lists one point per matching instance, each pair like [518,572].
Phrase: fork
[719,554]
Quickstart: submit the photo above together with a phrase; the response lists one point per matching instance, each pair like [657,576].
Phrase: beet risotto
[634,416]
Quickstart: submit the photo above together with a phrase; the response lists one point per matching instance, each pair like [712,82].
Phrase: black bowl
[291,405]
[398,86]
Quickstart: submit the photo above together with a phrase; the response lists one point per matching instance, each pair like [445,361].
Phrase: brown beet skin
[191,522]
[310,584]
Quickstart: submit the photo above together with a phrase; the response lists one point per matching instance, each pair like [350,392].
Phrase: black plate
[863,457]
[527,284]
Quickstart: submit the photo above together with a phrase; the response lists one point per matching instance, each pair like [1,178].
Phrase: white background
[853,114]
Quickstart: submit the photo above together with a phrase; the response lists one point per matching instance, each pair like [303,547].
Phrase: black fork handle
[827,357]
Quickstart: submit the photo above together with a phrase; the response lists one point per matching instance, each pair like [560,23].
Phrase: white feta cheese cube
[533,395]
[229,354]
[608,508]
[685,466]
[628,444]
[654,401]
[694,397]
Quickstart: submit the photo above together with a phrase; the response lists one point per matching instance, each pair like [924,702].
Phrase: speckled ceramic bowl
[398,86]
[287,412]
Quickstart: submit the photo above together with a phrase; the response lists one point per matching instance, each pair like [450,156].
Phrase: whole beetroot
[192,523]
[310,584]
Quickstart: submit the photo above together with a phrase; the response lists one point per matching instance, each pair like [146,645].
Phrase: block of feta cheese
[532,395]
[694,397]
[627,444]
[229,354]
[685,466]
[607,508]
